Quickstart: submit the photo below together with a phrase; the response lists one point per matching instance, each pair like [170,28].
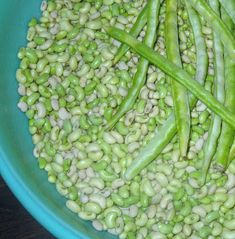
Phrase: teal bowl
[18,167]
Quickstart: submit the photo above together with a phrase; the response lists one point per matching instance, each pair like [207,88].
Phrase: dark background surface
[15,221]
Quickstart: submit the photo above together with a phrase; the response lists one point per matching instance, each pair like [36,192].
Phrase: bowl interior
[17,165]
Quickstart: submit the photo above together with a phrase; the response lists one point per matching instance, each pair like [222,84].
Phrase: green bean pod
[227,133]
[219,93]
[179,93]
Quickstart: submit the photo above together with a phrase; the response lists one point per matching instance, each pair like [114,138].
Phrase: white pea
[63,114]
[199,210]
[133,146]
[99,199]
[22,106]
[193,182]
[133,212]
[118,137]
[117,183]
[97,225]
[231,181]
[199,144]
[165,201]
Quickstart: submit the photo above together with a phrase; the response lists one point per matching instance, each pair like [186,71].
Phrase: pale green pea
[123,191]
[20,76]
[85,8]
[96,62]
[84,70]
[144,200]
[73,63]
[90,33]
[110,219]
[191,219]
[130,201]
[24,64]
[84,163]
[97,182]
[108,138]
[33,98]
[96,156]
[230,203]
[102,90]
[205,232]
[73,33]
[217,229]
[189,189]
[187,230]
[94,25]
[106,147]
[203,117]
[50,150]
[165,228]
[117,150]
[73,206]
[51,58]
[162,179]
[133,136]
[92,207]
[135,188]
[230,224]
[107,176]
[172,188]
[31,55]
[59,69]
[60,35]
[121,128]
[141,219]
[80,93]
[106,54]
[56,167]
[177,228]
[62,58]
[212,216]
[117,199]
[186,210]
[141,106]
[74,136]
[60,47]
[41,64]
[220,197]
[67,126]
[87,215]
[147,188]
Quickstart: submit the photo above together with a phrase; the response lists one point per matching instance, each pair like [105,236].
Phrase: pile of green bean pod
[125,173]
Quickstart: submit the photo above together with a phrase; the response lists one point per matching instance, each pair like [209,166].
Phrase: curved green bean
[219,92]
[179,93]
[142,68]
[229,6]
[217,24]
[175,72]
[135,31]
[227,133]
